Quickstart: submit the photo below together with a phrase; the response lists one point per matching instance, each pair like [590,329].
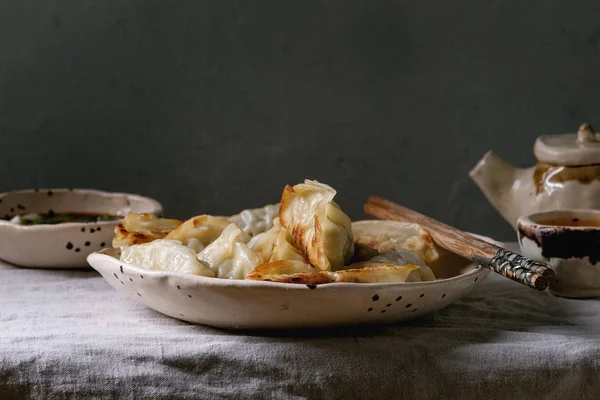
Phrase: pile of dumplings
[304,239]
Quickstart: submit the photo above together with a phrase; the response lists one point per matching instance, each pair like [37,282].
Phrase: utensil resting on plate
[502,261]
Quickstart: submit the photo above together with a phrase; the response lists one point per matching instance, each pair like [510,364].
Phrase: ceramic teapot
[566,176]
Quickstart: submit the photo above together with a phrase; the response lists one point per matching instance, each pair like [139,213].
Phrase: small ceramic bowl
[569,241]
[63,245]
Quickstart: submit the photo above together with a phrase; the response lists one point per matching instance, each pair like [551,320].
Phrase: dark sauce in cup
[570,222]
[52,218]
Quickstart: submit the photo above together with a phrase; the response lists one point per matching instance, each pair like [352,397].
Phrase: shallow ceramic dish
[244,304]
[62,245]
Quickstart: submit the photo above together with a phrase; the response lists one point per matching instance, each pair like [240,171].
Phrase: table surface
[68,334]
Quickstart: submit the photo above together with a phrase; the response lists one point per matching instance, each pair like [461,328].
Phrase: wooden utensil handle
[500,264]
[502,261]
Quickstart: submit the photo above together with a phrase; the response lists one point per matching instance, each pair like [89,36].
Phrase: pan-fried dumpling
[378,272]
[164,255]
[228,256]
[284,249]
[406,257]
[318,227]
[142,228]
[257,220]
[390,235]
[275,244]
[290,271]
[280,271]
[263,243]
[200,231]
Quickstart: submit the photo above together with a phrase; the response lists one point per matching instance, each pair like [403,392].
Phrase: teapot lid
[570,149]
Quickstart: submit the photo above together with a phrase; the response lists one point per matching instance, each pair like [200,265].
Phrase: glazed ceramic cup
[569,241]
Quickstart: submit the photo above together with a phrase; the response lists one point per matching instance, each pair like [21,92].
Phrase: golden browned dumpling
[378,272]
[290,271]
[200,231]
[318,227]
[275,244]
[142,228]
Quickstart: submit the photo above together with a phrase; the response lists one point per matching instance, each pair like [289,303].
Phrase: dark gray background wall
[213,106]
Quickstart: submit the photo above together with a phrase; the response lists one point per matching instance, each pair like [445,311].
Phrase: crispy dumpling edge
[125,237]
[315,251]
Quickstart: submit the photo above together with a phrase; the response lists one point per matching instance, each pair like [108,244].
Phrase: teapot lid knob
[586,134]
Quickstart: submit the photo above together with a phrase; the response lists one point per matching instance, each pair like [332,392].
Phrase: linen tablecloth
[68,334]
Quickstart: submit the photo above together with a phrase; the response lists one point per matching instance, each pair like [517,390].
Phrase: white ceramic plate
[245,304]
[62,245]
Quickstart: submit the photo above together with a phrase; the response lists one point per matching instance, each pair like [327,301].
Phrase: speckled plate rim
[156,207]
[477,272]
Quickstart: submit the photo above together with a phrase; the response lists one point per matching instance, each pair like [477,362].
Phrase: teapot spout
[495,178]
